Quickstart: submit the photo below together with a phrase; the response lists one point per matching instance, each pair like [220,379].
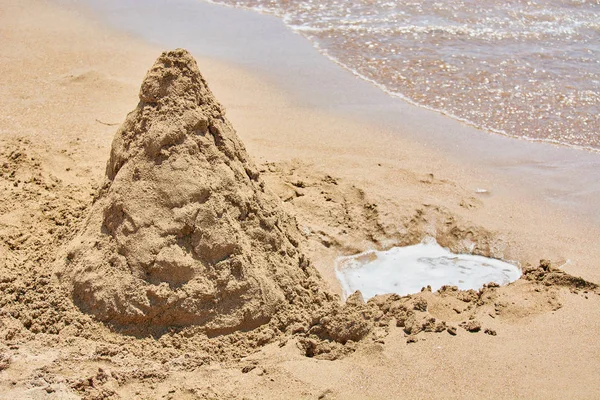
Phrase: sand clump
[474,310]
[183,231]
[548,275]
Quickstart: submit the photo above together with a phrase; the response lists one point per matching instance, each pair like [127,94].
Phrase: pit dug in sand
[405,270]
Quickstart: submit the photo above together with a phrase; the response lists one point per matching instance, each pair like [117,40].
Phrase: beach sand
[352,184]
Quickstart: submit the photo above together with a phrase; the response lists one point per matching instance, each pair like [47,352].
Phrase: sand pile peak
[183,231]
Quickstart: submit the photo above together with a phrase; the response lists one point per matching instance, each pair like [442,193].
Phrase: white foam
[405,270]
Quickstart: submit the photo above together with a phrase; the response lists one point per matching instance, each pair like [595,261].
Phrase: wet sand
[72,78]
[558,175]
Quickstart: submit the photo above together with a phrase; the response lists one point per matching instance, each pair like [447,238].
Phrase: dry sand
[69,83]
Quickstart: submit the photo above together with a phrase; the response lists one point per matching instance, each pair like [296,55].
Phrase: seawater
[406,270]
[528,69]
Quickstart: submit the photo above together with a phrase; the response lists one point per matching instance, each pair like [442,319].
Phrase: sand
[183,232]
[351,186]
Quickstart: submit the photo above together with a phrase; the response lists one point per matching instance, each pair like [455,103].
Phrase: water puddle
[405,270]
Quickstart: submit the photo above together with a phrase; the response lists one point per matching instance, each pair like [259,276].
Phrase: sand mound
[548,275]
[183,231]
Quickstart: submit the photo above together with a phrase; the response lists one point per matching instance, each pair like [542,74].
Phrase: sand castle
[183,231]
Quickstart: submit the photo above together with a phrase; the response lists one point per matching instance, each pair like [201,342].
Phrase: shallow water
[405,270]
[529,69]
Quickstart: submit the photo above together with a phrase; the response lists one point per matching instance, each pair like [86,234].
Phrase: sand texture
[182,231]
[160,254]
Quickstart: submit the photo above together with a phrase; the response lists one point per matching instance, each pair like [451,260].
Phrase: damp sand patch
[406,270]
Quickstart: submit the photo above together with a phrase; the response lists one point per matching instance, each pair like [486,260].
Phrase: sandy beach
[356,170]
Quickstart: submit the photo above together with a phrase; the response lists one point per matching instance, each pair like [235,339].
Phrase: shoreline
[398,95]
[351,182]
[543,170]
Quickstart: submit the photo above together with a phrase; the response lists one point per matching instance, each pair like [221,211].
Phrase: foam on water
[405,270]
